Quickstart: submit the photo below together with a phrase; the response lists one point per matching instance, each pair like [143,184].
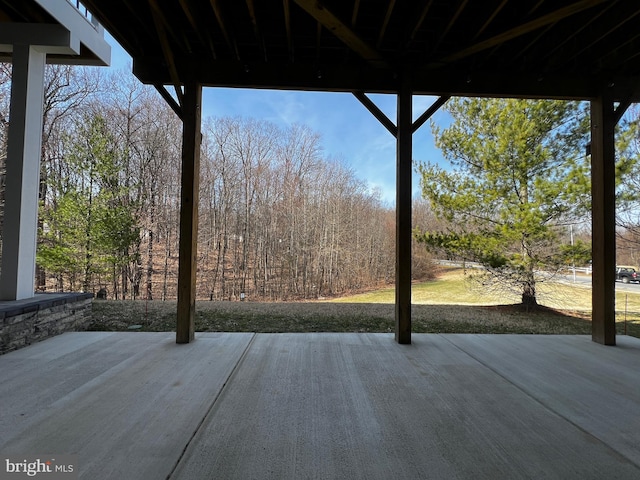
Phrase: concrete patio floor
[326,406]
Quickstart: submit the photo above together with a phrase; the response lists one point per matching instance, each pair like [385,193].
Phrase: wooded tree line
[278,218]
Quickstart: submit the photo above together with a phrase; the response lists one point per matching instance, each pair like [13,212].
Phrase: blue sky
[349,132]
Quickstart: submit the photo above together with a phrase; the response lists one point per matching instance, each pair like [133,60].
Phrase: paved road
[580,278]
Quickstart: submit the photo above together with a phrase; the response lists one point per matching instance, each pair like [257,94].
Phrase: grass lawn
[450,304]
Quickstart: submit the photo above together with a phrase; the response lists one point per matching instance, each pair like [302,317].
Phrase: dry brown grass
[334,317]
[450,304]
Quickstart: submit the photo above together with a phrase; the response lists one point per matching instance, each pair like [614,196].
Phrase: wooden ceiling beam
[520,30]
[31,15]
[354,14]
[168,27]
[420,21]
[186,8]
[490,19]
[570,35]
[623,53]
[111,27]
[385,22]
[287,25]
[317,10]
[318,39]
[354,20]
[535,7]
[534,41]
[215,5]
[132,10]
[202,33]
[459,10]
[601,37]
[166,48]
[450,80]
[256,28]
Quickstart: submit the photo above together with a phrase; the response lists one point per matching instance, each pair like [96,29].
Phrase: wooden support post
[404,152]
[403,214]
[603,219]
[191,139]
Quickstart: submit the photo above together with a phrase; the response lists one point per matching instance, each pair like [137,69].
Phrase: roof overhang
[526,48]
[61,29]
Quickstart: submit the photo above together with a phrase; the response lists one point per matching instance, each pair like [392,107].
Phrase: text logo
[49,467]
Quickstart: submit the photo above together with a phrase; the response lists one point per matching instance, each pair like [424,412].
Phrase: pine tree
[519,172]
[89,226]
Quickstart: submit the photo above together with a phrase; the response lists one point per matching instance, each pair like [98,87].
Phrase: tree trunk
[149,279]
[529,291]
[86,284]
[165,271]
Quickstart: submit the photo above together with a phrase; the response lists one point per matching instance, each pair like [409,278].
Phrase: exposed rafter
[493,15]
[354,14]
[318,40]
[147,27]
[604,35]
[166,48]
[115,30]
[179,36]
[535,7]
[420,21]
[332,23]
[256,28]
[215,4]
[202,33]
[454,17]
[623,53]
[534,41]
[487,45]
[570,35]
[287,26]
[385,23]
[520,30]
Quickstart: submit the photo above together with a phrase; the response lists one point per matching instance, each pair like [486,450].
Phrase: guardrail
[459,263]
[585,270]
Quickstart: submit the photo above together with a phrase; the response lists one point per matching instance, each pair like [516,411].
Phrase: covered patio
[567,49]
[292,406]
[242,405]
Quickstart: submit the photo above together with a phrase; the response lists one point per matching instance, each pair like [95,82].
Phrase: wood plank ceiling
[527,48]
